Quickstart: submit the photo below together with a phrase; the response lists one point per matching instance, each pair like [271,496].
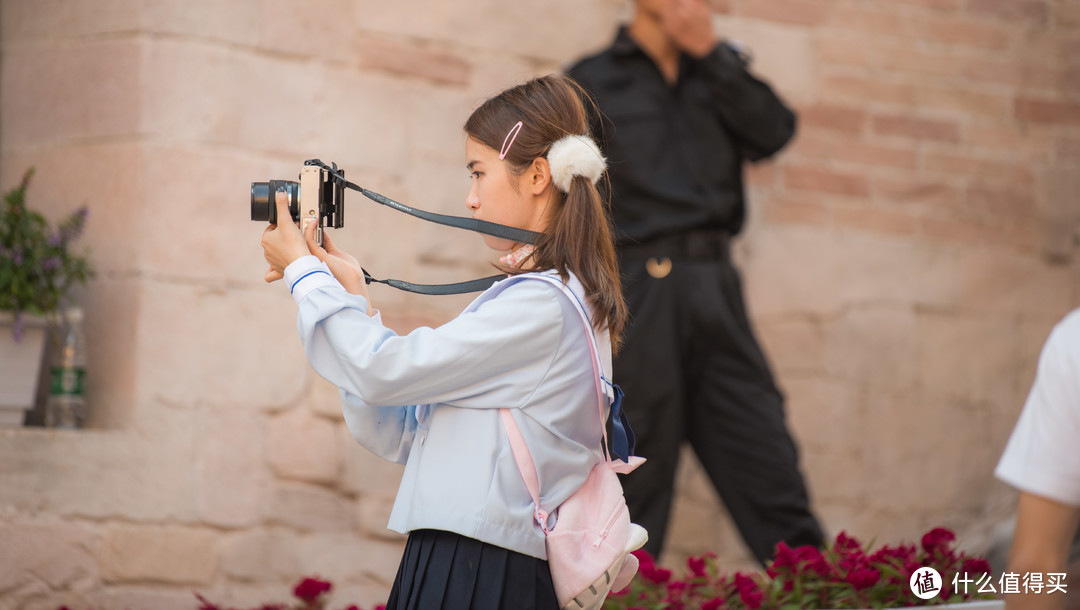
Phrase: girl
[431,399]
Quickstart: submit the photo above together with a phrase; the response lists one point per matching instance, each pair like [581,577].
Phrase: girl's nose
[472,201]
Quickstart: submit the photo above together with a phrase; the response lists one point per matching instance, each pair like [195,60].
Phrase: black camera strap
[459,222]
[479,285]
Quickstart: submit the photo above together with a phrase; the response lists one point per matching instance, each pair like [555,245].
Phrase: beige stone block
[321,29]
[372,515]
[195,219]
[129,596]
[324,399]
[987,280]
[69,91]
[565,32]
[411,59]
[874,347]
[201,343]
[967,357]
[1059,225]
[836,474]
[926,454]
[774,286]
[99,474]
[824,414]
[234,22]
[363,472]
[57,554]
[169,554]
[834,270]
[261,556]
[215,94]
[350,558]
[230,470]
[54,20]
[309,508]
[795,345]
[365,123]
[784,55]
[301,446]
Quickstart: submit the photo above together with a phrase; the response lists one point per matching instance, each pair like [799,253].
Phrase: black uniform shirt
[675,152]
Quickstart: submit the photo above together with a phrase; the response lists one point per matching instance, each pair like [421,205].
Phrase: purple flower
[55,240]
[50,264]
[17,256]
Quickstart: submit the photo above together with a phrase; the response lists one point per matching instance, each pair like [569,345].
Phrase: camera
[317,197]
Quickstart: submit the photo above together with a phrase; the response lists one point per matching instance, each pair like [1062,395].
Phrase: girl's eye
[475,174]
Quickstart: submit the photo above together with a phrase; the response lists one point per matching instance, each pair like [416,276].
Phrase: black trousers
[693,371]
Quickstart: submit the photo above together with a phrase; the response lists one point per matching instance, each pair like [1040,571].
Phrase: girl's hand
[282,242]
[343,265]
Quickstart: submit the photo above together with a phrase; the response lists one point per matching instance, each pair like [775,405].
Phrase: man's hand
[689,24]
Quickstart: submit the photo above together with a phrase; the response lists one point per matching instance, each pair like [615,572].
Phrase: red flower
[697,566]
[713,604]
[863,577]
[937,539]
[310,589]
[748,591]
[785,557]
[644,558]
[846,544]
[975,565]
[810,558]
[654,574]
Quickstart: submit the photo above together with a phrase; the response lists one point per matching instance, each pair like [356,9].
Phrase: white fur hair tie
[575,156]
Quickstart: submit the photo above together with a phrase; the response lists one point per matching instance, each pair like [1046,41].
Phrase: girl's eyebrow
[470,164]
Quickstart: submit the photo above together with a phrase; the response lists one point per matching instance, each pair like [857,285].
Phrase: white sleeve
[492,357]
[1043,454]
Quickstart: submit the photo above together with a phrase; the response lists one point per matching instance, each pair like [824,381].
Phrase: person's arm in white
[1041,460]
[1044,533]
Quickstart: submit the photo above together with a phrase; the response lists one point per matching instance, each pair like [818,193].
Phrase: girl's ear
[539,176]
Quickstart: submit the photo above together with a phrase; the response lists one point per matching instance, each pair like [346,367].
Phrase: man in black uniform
[681,113]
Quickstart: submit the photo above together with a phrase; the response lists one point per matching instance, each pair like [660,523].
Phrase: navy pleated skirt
[446,571]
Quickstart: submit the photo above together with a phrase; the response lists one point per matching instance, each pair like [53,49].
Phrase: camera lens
[260,201]
[263,204]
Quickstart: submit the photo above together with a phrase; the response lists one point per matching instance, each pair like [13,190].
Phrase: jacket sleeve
[481,359]
[748,107]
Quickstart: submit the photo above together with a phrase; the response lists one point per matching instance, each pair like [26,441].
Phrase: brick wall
[905,258]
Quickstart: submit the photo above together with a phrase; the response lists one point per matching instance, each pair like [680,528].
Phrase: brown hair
[578,238]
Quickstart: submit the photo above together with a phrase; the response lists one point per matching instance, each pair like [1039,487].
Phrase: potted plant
[37,268]
[844,575]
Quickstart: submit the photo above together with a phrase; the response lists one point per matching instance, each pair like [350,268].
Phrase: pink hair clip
[508,141]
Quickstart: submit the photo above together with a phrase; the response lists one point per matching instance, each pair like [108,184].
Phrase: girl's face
[498,196]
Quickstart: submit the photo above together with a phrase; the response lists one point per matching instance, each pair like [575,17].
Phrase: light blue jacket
[521,344]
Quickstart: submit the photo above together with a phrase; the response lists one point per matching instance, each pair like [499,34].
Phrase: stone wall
[904,260]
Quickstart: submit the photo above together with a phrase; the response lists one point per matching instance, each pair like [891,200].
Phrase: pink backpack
[589,547]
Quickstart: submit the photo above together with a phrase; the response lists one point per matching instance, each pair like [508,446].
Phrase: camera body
[316,198]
